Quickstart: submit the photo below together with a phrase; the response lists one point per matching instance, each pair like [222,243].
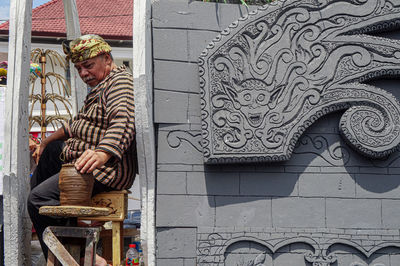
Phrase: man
[99,140]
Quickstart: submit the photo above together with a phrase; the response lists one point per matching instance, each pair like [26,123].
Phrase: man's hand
[32,145]
[38,151]
[36,154]
[34,149]
[91,160]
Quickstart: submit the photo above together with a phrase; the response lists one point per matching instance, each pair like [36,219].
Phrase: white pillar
[145,138]
[17,226]
[78,87]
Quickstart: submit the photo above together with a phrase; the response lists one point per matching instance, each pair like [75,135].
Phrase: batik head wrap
[85,47]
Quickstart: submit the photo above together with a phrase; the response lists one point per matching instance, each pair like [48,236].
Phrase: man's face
[94,70]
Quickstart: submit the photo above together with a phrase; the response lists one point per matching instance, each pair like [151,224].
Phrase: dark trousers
[45,192]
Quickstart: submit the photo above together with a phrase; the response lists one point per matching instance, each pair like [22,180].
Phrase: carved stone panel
[270,75]
[300,246]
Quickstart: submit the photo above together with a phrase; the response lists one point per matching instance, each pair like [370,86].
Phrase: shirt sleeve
[66,127]
[120,112]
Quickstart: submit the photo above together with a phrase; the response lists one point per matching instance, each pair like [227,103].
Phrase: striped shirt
[106,122]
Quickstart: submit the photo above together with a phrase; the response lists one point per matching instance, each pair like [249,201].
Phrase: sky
[5,8]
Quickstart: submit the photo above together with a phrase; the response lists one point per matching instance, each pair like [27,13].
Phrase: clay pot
[75,188]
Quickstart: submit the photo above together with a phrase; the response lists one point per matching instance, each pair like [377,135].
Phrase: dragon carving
[273,73]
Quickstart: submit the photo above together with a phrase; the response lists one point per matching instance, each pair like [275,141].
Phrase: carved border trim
[212,243]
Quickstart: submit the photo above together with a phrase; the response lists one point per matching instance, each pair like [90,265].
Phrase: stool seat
[74,211]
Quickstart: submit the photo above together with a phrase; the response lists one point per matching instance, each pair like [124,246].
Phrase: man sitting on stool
[99,140]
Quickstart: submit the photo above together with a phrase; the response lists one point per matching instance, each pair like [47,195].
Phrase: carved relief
[115,201]
[258,261]
[212,246]
[270,75]
[333,153]
[106,203]
[176,137]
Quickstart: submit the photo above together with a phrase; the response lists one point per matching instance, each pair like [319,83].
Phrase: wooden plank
[73,211]
[17,226]
[145,137]
[58,249]
[121,239]
[106,238]
[75,232]
[78,87]
[116,243]
[71,237]
[90,249]
[127,232]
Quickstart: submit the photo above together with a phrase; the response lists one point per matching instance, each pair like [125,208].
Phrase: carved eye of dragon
[273,73]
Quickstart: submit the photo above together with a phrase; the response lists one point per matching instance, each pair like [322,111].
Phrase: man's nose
[83,72]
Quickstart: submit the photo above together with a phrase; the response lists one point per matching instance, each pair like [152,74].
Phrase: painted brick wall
[324,185]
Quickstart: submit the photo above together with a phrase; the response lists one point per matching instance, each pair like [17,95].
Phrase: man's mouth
[255,118]
[87,80]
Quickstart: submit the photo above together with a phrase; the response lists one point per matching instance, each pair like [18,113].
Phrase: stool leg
[121,237]
[51,259]
[57,249]
[90,249]
[116,243]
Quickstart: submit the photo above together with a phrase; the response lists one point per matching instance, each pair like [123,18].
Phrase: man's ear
[107,58]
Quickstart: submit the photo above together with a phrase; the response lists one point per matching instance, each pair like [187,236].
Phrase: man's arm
[120,108]
[58,135]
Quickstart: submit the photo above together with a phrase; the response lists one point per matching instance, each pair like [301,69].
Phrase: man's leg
[44,194]
[48,166]
[47,193]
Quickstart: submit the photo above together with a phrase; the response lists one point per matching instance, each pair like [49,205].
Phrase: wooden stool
[107,206]
[71,255]
[117,201]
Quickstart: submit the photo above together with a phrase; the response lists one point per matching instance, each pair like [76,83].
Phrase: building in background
[110,19]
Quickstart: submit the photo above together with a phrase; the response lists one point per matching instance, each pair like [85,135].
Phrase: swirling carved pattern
[176,137]
[213,244]
[336,154]
[106,203]
[320,258]
[205,247]
[270,75]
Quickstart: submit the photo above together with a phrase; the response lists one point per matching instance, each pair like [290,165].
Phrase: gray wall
[326,191]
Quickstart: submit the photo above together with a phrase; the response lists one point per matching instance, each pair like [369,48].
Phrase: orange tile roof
[111,19]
